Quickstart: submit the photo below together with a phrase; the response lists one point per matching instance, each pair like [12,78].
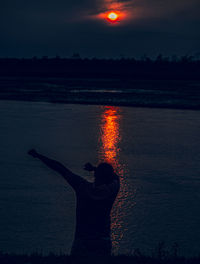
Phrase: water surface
[155,152]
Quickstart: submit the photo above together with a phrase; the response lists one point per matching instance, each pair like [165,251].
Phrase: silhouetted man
[93,206]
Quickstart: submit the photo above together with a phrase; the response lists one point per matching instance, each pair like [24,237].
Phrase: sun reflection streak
[109,151]
[110,134]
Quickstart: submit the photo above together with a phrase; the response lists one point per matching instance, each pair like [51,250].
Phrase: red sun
[112,17]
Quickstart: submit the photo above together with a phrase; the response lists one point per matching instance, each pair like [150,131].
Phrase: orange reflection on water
[110,151]
[110,135]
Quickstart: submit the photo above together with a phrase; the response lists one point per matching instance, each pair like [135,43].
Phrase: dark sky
[57,27]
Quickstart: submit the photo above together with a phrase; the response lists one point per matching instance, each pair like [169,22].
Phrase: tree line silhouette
[160,68]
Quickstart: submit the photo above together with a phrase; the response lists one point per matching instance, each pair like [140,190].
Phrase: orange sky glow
[112,16]
[114,13]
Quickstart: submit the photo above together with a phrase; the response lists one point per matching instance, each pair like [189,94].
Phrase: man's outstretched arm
[73,179]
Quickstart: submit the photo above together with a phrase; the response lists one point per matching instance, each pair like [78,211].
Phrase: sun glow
[115,12]
[112,16]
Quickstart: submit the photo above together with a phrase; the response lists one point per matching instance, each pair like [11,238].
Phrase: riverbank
[63,259]
[174,94]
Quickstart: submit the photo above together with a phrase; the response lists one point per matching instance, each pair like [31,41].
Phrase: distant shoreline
[105,103]
[170,94]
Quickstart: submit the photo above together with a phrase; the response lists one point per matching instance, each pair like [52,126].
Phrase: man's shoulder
[104,191]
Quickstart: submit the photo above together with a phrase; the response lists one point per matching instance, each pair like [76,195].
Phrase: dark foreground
[135,259]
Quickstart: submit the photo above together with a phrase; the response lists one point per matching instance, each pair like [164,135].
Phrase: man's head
[104,173]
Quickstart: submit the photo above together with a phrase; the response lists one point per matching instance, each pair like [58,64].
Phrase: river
[156,152]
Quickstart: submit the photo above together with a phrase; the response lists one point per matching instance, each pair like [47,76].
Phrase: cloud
[158,8]
[149,8]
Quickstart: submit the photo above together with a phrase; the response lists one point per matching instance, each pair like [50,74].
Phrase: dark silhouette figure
[93,206]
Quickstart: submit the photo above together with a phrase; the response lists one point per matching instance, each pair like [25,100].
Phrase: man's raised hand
[89,167]
[33,153]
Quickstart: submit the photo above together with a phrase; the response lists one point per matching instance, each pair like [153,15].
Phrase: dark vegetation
[163,82]
[161,255]
[63,259]
[184,68]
